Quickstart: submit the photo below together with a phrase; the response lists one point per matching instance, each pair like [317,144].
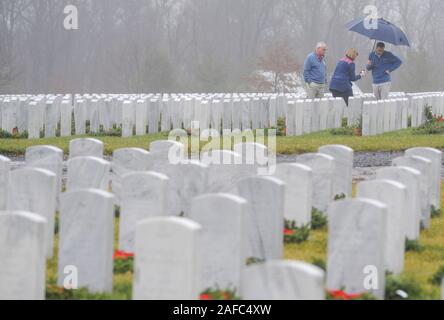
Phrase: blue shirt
[344,75]
[315,70]
[387,62]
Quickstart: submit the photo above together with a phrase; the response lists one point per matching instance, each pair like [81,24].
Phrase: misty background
[163,46]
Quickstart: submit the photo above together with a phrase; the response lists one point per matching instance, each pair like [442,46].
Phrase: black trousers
[343,95]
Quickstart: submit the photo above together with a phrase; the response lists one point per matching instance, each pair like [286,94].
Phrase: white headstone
[411,179]
[166,111]
[356,243]
[5,168]
[435,156]
[167,260]
[308,115]
[366,118]
[88,173]
[424,166]
[167,151]
[144,195]
[80,115]
[177,113]
[246,117]
[224,239]
[290,119]
[283,280]
[154,115]
[22,114]
[8,115]
[46,157]
[86,239]
[188,112]
[93,111]
[34,190]
[193,182]
[210,114]
[187,180]
[315,112]
[22,252]
[343,178]
[86,147]
[128,118]
[106,113]
[141,117]
[254,155]
[394,195]
[33,120]
[298,192]
[265,196]
[51,118]
[65,118]
[323,167]
[224,170]
[125,161]
[228,114]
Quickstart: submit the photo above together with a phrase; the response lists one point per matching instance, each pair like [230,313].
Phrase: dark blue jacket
[344,75]
[387,62]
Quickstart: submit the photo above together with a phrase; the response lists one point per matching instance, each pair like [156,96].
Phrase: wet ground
[365,163]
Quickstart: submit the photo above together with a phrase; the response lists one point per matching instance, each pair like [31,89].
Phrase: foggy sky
[142,46]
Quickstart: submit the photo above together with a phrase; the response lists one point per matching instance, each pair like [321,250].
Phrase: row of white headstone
[376,117]
[392,115]
[153,113]
[231,214]
[400,204]
[139,114]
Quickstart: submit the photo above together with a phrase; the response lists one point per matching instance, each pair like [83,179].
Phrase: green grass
[18,146]
[420,266]
[394,141]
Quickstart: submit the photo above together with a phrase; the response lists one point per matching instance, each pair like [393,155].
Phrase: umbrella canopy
[386,31]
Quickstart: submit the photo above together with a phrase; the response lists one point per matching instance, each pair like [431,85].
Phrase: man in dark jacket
[382,63]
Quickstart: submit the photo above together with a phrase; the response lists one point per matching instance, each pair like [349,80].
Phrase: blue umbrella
[385,31]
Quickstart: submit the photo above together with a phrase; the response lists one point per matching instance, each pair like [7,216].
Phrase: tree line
[129,46]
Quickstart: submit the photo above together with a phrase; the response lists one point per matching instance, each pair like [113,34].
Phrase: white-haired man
[315,72]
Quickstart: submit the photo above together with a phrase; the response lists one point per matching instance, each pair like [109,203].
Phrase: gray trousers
[382,91]
[315,90]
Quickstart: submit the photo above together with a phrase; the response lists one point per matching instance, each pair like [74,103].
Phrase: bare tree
[277,69]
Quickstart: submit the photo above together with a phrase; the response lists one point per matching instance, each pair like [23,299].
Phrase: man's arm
[395,63]
[352,73]
[307,69]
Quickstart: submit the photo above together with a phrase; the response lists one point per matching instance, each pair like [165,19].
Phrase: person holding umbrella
[382,63]
[341,82]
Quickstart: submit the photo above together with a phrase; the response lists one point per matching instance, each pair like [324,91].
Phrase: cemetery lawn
[420,267]
[393,141]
